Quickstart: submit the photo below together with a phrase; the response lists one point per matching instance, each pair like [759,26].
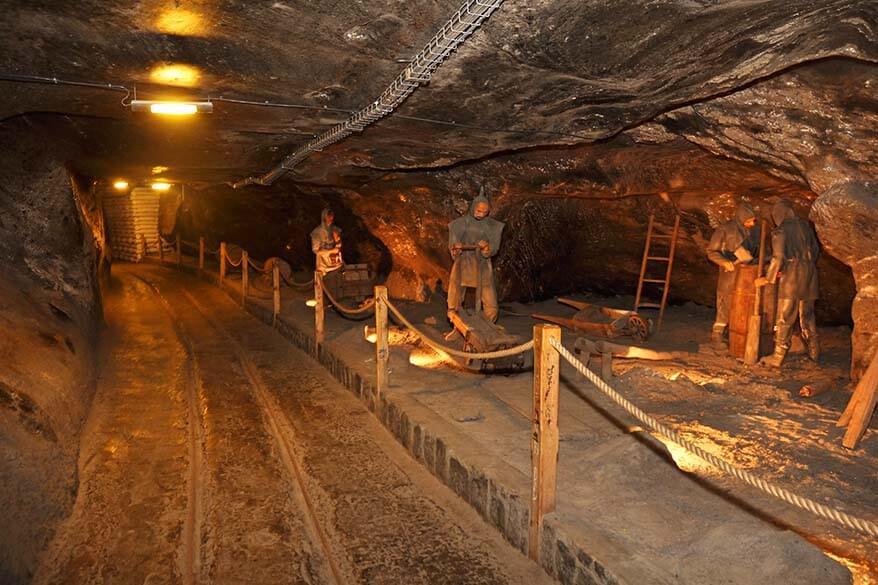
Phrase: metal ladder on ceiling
[657,258]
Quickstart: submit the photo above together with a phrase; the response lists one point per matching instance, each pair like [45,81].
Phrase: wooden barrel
[743,299]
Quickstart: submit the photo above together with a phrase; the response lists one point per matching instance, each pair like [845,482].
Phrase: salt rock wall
[50,234]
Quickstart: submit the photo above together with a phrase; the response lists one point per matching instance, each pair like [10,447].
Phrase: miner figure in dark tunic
[474,229]
[734,242]
[794,267]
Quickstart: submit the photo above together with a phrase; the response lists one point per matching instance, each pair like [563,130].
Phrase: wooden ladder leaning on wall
[651,236]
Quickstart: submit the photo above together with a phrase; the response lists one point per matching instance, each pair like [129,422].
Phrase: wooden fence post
[161,247]
[201,253]
[179,251]
[382,352]
[544,442]
[318,314]
[245,276]
[275,285]
[222,260]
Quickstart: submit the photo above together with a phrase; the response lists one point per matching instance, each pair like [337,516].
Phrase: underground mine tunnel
[429,292]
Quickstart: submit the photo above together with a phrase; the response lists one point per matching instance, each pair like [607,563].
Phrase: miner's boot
[777,358]
[813,345]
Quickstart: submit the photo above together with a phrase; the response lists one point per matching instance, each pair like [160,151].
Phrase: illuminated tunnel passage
[217,453]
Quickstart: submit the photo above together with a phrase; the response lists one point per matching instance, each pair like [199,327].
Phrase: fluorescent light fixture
[120,185]
[161,186]
[172,108]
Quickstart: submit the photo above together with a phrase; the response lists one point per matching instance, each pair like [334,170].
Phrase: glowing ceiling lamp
[161,186]
[120,185]
[171,108]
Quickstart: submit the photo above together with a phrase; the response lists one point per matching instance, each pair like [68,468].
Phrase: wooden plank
[275,288]
[382,348]
[868,391]
[245,276]
[222,272]
[179,251]
[544,439]
[318,314]
[754,325]
[201,253]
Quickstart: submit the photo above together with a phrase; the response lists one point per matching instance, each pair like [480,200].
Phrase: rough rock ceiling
[539,73]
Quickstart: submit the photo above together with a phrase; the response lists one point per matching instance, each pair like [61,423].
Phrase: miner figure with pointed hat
[473,240]
[734,242]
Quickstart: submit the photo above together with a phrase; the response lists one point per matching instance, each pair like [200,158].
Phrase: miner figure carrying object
[473,240]
[326,245]
[734,242]
[794,255]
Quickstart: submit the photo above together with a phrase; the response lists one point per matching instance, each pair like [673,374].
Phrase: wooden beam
[318,314]
[544,438]
[201,253]
[245,276]
[179,250]
[275,288]
[862,405]
[382,347]
[222,275]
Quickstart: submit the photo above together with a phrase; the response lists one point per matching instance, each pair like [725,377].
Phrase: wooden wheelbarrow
[601,321]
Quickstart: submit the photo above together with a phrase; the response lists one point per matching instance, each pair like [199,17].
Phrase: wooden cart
[602,321]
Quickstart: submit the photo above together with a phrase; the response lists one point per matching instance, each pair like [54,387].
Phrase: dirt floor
[217,453]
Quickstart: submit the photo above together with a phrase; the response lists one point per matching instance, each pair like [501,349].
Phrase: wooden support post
[318,314]
[201,253]
[275,287]
[161,247]
[245,276]
[382,348]
[544,439]
[222,260]
[179,251]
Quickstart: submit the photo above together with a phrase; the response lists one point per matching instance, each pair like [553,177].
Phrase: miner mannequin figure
[326,245]
[734,242]
[794,252]
[475,229]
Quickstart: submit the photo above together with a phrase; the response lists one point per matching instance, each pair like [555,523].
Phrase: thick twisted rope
[256,267]
[456,352]
[232,262]
[190,245]
[300,285]
[865,526]
[366,309]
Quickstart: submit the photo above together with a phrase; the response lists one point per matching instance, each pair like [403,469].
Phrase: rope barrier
[265,268]
[233,263]
[827,512]
[456,352]
[189,244]
[365,309]
[292,283]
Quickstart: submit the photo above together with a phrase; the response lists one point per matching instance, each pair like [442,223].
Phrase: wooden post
[544,439]
[245,276]
[161,247]
[201,253]
[318,314]
[382,351]
[275,286]
[179,250]
[222,262]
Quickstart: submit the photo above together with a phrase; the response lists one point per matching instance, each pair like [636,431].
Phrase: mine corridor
[439,292]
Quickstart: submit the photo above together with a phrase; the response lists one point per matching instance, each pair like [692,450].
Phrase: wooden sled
[479,336]
[601,321]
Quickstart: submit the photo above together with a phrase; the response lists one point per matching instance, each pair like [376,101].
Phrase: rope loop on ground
[456,352]
[822,510]
[366,309]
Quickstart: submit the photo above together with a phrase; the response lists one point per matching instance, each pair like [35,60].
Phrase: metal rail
[463,23]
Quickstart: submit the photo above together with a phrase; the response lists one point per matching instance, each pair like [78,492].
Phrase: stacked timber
[131,219]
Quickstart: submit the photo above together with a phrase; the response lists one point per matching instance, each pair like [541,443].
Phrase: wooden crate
[357,282]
